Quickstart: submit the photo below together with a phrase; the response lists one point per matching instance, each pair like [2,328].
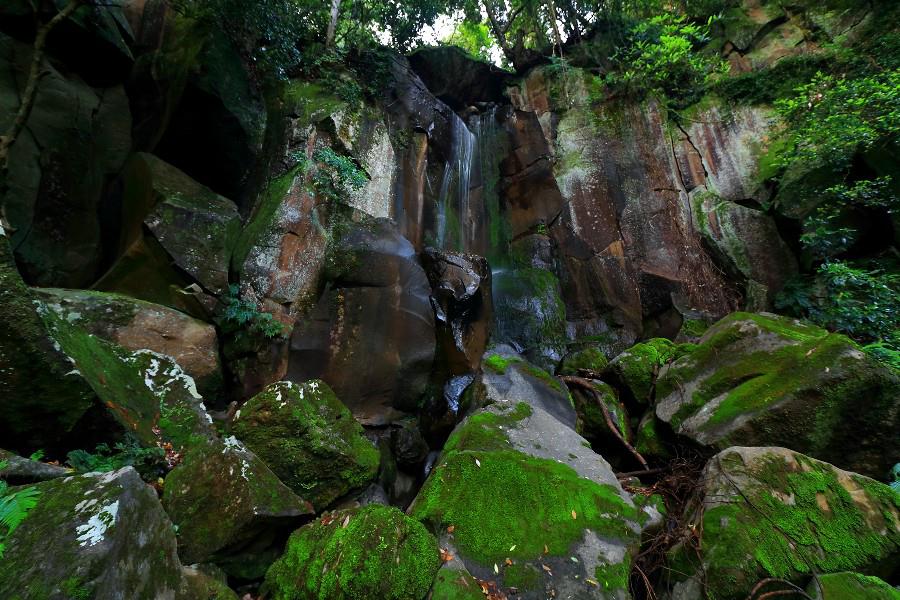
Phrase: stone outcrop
[771,512]
[309,440]
[374,320]
[371,552]
[137,325]
[93,536]
[763,380]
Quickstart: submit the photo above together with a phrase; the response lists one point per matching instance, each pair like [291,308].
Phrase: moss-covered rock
[309,439]
[453,582]
[515,483]
[20,470]
[371,552]
[760,379]
[222,498]
[850,586]
[507,378]
[137,325]
[651,437]
[590,359]
[771,512]
[634,371]
[200,585]
[92,536]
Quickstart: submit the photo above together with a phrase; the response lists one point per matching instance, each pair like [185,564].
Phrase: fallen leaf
[477,463]
[508,562]
[574,514]
[496,570]
[451,528]
[573,559]
[546,549]
[445,555]
[346,522]
[513,547]
[546,568]
[592,582]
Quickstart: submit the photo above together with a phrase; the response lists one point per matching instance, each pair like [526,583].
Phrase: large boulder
[760,379]
[77,138]
[230,509]
[374,320]
[371,552]
[521,500]
[634,371]
[19,470]
[93,536]
[774,513]
[136,325]
[309,440]
[507,378]
[462,302]
[196,227]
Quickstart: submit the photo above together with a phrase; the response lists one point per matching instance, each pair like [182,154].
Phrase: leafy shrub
[149,462]
[660,56]
[824,233]
[832,118]
[336,175]
[861,301]
[14,507]
[241,314]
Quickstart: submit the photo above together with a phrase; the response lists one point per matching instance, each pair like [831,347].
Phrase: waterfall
[457,177]
[441,225]
[465,152]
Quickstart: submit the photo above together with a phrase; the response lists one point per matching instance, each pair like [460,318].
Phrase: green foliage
[242,314]
[860,300]
[825,235]
[14,507]
[149,462]
[337,175]
[474,38]
[833,118]
[895,478]
[660,56]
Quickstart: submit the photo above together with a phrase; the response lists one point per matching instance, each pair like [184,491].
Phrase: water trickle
[455,184]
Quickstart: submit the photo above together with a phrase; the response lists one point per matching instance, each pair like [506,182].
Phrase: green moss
[590,359]
[309,439]
[637,367]
[649,440]
[591,420]
[359,554]
[802,521]
[545,377]
[310,101]
[523,577]
[484,430]
[74,588]
[455,584]
[851,586]
[614,577]
[507,499]
[499,364]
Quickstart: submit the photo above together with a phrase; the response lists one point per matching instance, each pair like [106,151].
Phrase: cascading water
[457,177]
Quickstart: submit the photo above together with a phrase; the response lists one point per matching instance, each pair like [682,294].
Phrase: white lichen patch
[94,531]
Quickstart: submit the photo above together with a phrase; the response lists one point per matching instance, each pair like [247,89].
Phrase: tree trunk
[332,23]
[555,22]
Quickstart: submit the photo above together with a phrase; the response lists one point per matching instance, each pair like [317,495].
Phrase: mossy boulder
[592,422]
[454,582]
[507,378]
[230,508]
[771,512]
[370,552]
[202,586]
[515,483]
[137,325]
[92,536]
[850,586]
[634,371]
[591,359]
[761,379]
[309,440]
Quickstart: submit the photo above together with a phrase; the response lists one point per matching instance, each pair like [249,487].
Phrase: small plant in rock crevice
[240,314]
[14,507]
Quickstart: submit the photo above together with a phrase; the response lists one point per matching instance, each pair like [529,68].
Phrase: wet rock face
[137,325]
[229,508]
[771,512]
[309,439]
[374,320]
[371,552]
[461,285]
[77,138]
[93,536]
[764,379]
[21,470]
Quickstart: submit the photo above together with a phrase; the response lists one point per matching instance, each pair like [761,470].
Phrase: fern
[14,507]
